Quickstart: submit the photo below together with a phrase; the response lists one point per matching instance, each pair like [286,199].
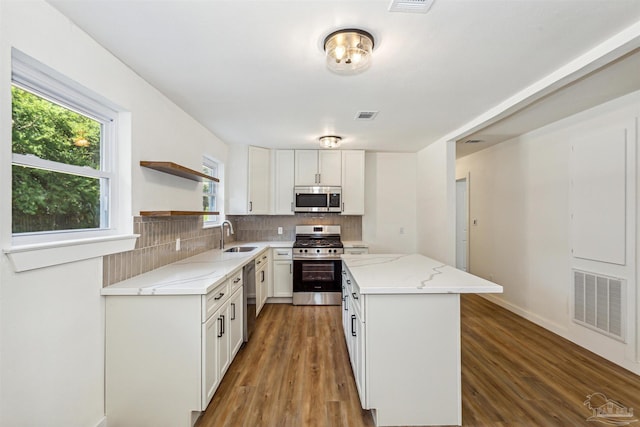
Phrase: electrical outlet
[178,244]
[279,230]
[475,221]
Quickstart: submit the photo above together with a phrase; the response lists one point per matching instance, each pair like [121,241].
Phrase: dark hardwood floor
[295,372]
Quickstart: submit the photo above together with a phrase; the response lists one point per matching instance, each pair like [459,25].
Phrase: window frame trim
[39,79]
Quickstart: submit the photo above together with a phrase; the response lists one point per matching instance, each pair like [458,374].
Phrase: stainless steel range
[317,265]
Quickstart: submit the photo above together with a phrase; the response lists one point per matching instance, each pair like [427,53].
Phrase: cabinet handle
[353,326]
[342,206]
[290,269]
[233,305]
[237,280]
[291,206]
[222,315]
[354,295]
[219,296]
[262,276]
[348,282]
[220,321]
[250,206]
[264,257]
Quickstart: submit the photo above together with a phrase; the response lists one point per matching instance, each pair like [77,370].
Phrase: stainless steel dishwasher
[249,281]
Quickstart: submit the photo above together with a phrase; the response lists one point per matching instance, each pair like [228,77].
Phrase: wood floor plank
[295,372]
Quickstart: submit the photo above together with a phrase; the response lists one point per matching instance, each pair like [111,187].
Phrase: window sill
[31,257]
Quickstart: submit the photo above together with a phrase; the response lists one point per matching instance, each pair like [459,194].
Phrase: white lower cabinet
[262,281]
[404,351]
[166,354]
[282,272]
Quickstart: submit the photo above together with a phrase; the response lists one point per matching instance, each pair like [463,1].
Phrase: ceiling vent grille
[366,115]
[473,141]
[598,303]
[410,6]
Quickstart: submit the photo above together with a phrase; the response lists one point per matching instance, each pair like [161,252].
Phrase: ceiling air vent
[473,141]
[410,6]
[366,115]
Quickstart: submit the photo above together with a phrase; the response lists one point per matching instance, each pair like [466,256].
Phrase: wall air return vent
[410,6]
[366,115]
[598,303]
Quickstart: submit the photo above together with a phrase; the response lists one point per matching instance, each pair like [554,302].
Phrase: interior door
[462,222]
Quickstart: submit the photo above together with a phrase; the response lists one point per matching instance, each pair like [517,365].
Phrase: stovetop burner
[317,241]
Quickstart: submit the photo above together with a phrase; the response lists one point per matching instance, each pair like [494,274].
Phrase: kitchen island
[401,318]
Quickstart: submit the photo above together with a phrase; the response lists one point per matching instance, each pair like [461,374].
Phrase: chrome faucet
[227,222]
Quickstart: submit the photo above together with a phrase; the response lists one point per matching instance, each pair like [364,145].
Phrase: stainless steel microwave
[318,199]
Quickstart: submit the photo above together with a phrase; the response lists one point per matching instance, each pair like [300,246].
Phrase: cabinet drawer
[262,260]
[235,281]
[353,291]
[282,253]
[214,300]
[356,251]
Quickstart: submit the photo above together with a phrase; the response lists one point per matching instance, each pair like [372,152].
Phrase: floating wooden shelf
[177,213]
[177,170]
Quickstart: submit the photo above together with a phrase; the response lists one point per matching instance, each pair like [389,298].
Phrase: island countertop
[412,274]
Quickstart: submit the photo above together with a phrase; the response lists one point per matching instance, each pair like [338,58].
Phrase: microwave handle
[292,207]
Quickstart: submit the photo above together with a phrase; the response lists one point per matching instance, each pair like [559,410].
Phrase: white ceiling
[253,72]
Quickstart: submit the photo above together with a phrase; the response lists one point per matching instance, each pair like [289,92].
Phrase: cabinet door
[353,182]
[210,372]
[222,336]
[283,182]
[306,167]
[359,356]
[262,284]
[283,278]
[330,167]
[236,312]
[259,181]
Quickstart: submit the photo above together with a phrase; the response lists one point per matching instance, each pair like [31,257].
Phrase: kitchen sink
[241,249]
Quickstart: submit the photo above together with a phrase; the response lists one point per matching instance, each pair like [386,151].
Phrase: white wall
[389,223]
[52,320]
[520,197]
[436,202]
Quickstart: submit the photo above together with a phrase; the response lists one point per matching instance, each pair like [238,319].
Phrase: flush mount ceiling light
[329,141]
[348,51]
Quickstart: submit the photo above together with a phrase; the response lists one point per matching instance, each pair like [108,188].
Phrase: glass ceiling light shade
[329,141]
[348,51]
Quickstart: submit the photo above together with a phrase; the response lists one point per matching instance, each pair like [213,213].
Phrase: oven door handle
[314,258]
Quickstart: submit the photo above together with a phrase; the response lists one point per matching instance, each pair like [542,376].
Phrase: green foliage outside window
[44,200]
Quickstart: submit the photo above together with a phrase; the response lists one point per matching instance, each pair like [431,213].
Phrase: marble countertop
[195,275]
[412,274]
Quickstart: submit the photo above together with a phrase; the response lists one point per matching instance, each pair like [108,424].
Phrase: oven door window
[317,272]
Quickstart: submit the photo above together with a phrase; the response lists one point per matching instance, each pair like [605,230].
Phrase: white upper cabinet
[283,182]
[353,182]
[259,181]
[318,167]
[248,174]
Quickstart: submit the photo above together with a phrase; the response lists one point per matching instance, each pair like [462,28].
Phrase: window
[211,200]
[62,144]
